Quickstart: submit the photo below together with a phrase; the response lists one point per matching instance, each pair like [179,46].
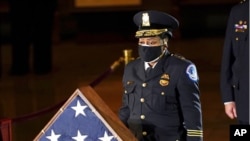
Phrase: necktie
[148,70]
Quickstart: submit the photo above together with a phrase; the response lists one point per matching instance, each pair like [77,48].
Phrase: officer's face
[150,41]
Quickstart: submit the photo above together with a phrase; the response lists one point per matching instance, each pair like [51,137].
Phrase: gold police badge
[164,81]
[145,19]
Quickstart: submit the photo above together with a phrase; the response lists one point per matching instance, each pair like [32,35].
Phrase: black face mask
[149,54]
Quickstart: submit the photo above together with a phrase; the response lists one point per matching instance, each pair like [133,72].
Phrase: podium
[85,116]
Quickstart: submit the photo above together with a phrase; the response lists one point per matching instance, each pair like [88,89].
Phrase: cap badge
[145,19]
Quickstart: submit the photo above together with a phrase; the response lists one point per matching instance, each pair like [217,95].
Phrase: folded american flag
[77,120]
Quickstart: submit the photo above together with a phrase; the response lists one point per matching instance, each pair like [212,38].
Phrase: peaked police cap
[155,23]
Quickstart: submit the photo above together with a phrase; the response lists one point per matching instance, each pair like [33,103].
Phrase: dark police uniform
[235,61]
[165,104]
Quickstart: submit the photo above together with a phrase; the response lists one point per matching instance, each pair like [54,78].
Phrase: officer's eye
[141,42]
[149,42]
[152,43]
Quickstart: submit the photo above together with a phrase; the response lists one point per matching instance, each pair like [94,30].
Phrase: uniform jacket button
[144,133]
[142,116]
[162,93]
[144,84]
[142,99]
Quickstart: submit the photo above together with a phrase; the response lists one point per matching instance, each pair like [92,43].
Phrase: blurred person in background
[235,64]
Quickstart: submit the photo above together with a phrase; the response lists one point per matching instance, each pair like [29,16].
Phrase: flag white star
[53,136]
[79,109]
[106,137]
[79,136]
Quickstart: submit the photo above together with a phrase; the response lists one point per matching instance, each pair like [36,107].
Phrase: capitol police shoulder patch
[192,72]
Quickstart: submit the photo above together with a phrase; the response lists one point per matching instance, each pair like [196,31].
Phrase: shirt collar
[146,65]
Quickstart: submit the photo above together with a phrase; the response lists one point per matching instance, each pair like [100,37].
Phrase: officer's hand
[230,110]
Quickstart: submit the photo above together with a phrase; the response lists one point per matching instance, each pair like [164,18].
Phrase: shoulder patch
[192,72]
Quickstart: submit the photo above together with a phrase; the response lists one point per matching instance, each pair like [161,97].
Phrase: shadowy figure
[235,64]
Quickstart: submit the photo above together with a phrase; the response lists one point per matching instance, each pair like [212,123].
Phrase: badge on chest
[164,80]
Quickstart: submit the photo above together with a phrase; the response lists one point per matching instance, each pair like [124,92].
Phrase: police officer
[164,103]
[235,64]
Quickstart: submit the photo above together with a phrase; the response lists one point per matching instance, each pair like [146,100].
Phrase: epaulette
[178,56]
[242,1]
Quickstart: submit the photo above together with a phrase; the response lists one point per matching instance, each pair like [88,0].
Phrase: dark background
[198,18]
[86,41]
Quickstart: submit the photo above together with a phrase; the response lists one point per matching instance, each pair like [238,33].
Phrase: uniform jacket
[235,61]
[165,106]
